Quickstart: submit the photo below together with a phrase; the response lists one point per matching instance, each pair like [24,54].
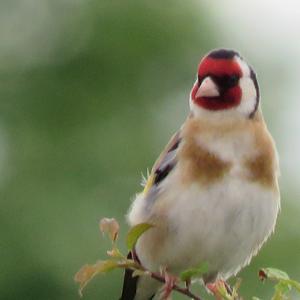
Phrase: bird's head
[225,85]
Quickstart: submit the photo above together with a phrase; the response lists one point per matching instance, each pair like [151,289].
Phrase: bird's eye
[232,80]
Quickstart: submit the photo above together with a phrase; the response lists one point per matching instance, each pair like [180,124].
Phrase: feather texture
[212,195]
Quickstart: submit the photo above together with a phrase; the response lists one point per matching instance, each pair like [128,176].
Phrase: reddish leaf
[111,227]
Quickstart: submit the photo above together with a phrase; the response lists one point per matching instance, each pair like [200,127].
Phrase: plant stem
[184,291]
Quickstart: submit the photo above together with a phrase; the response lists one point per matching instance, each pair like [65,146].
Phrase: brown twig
[184,291]
[157,276]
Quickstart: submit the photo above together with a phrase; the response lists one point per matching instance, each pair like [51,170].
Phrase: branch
[116,260]
[183,291]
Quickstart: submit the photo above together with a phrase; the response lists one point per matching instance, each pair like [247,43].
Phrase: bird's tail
[138,287]
[129,283]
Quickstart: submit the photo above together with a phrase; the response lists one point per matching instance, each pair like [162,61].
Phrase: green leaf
[135,232]
[283,287]
[281,291]
[295,284]
[273,274]
[194,272]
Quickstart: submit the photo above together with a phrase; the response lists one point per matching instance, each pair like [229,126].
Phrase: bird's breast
[219,203]
[223,224]
[248,151]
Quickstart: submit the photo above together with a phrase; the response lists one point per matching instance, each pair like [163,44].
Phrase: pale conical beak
[208,89]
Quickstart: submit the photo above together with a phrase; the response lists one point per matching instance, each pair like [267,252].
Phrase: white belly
[223,224]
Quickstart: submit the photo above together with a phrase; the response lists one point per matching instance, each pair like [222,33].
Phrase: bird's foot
[170,282]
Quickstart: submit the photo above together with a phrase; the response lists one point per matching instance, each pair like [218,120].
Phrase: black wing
[162,167]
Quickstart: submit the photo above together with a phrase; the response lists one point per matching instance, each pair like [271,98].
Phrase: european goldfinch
[213,193]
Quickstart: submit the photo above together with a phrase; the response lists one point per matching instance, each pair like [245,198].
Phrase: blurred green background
[90,93]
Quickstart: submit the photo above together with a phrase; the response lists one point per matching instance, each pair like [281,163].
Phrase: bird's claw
[170,282]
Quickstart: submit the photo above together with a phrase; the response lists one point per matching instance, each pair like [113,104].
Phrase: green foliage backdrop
[90,92]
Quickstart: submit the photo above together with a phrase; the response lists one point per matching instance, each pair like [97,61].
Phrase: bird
[213,193]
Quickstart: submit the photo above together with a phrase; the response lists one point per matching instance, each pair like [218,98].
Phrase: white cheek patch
[244,67]
[249,93]
[249,96]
